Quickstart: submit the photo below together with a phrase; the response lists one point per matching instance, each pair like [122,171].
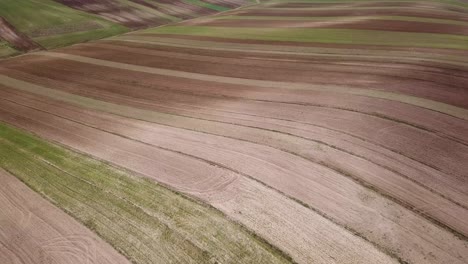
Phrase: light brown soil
[333,160]
[318,240]
[349,204]
[34,231]
[350,122]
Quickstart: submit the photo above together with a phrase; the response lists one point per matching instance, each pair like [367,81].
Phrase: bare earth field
[317,132]
[34,231]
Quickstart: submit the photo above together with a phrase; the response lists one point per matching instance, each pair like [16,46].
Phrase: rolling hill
[280,132]
[50,24]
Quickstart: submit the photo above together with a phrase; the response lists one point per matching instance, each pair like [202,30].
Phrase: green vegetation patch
[32,16]
[321,35]
[396,18]
[62,40]
[145,221]
[207,5]
[6,50]
[459,3]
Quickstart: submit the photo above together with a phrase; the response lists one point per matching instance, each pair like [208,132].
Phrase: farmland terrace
[280,132]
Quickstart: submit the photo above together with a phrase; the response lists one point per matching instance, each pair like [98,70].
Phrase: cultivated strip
[421,102]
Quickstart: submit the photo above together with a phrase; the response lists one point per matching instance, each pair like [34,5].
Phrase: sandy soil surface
[34,231]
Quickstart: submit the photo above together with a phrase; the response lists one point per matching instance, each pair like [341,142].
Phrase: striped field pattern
[325,131]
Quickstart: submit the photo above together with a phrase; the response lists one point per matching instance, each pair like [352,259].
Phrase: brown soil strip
[272,45]
[17,39]
[34,231]
[432,83]
[155,97]
[299,113]
[312,56]
[425,103]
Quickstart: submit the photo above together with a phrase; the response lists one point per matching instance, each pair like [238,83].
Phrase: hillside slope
[335,131]
[56,23]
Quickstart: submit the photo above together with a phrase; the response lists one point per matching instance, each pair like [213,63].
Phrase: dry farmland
[280,132]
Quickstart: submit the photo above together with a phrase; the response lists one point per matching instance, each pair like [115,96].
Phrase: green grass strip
[320,35]
[63,40]
[145,221]
[30,15]
[207,5]
[459,3]
[395,18]
[6,50]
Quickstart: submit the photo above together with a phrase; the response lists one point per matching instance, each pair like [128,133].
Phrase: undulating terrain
[280,132]
[29,25]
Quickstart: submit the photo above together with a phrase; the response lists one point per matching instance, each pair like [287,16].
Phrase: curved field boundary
[263,210]
[34,231]
[122,209]
[160,116]
[421,102]
[244,109]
